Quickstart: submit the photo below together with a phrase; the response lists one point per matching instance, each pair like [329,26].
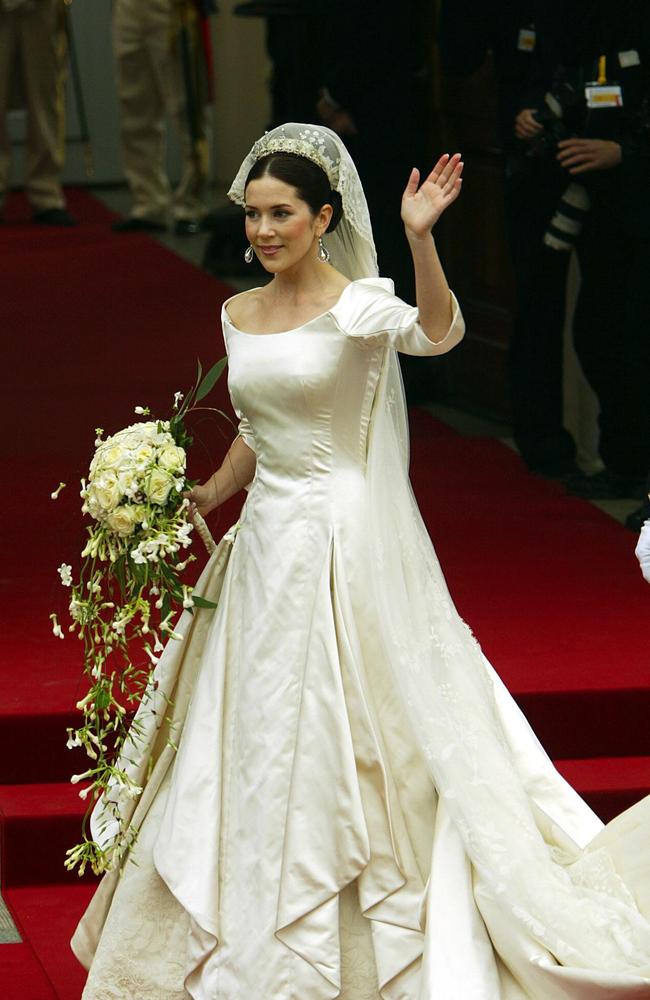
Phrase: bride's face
[281,227]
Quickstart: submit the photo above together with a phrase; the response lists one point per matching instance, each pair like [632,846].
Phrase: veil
[523,828]
[351,245]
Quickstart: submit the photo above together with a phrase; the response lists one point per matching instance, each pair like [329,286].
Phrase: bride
[356,808]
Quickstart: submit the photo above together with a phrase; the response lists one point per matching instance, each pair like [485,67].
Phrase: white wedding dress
[315,835]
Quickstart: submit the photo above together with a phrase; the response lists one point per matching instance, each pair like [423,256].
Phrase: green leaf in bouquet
[139,573]
[174,587]
[178,432]
[202,602]
[188,398]
[210,379]
[199,375]
[102,699]
[167,571]
[119,571]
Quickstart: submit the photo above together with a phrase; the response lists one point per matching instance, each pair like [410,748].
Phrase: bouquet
[129,588]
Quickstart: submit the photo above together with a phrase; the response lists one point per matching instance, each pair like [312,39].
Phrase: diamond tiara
[310,144]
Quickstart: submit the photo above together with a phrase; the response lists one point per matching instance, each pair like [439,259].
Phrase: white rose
[172,457]
[135,436]
[123,520]
[143,455]
[92,507]
[128,482]
[147,430]
[114,456]
[158,486]
[105,491]
[133,440]
[140,512]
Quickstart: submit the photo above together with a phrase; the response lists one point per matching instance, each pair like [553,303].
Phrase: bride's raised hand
[423,205]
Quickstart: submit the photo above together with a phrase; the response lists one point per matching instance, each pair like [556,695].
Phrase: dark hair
[309,180]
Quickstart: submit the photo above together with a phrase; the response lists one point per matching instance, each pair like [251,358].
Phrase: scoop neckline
[281,333]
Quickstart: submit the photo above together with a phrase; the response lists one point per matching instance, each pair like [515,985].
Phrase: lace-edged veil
[351,245]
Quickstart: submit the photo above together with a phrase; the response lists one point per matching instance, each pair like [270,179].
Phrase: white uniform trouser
[33,38]
[150,88]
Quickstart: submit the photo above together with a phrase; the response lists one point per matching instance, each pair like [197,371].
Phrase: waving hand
[422,206]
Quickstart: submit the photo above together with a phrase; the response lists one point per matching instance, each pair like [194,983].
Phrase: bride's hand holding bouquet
[203,500]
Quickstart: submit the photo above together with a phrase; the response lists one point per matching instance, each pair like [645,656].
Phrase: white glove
[642,550]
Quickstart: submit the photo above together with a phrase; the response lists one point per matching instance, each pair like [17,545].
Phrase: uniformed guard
[33,35]
[163,72]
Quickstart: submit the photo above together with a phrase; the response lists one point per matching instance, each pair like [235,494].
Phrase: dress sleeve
[372,315]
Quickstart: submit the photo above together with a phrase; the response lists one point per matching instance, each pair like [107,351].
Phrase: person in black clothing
[518,33]
[290,28]
[375,91]
[611,158]
[604,153]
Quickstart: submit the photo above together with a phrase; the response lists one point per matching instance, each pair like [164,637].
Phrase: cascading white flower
[128,591]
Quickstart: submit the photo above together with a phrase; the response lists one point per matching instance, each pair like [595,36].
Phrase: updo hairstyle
[309,180]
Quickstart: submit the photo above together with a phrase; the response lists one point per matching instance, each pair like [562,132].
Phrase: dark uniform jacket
[469,28]
[582,31]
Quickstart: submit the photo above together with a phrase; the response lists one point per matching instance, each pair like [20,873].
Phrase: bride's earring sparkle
[249,253]
[323,253]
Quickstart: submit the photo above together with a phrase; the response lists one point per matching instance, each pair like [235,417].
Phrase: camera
[561,116]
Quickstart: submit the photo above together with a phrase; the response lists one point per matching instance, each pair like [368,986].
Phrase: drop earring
[323,253]
[249,253]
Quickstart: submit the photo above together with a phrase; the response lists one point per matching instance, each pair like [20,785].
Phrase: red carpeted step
[609,784]
[588,723]
[47,916]
[22,976]
[48,758]
[38,823]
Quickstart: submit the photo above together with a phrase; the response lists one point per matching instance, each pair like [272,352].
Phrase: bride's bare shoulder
[244,307]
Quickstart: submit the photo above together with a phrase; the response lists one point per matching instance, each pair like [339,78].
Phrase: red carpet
[95,323]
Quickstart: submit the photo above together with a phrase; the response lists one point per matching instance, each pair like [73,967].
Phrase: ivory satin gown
[295,846]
